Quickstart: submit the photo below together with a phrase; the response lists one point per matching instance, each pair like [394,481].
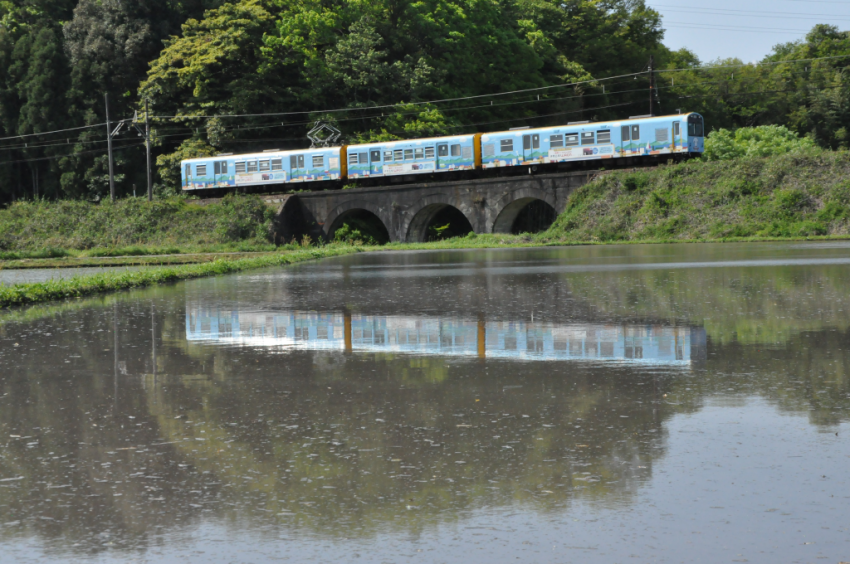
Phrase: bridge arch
[438,208]
[525,209]
[358,212]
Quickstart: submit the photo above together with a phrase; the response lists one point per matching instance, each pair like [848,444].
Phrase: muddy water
[589,404]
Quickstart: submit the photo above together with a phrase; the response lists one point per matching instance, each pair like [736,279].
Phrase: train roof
[423,139]
[261,154]
[592,123]
[413,140]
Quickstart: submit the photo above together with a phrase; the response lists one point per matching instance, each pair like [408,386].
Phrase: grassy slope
[794,195]
[131,226]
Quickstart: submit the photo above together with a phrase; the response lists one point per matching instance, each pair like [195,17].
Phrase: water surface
[586,404]
[30,275]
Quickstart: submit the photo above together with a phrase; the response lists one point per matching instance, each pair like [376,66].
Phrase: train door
[296,166]
[442,153]
[530,143]
[676,133]
[375,161]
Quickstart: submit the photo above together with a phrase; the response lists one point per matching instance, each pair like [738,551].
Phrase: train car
[263,169]
[412,156]
[635,137]
[661,135]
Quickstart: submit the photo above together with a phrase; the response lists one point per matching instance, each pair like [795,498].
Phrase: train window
[352,159]
[293,162]
[202,170]
[388,156]
[488,149]
[240,168]
[375,156]
[398,154]
[224,167]
[252,166]
[442,150]
[556,141]
[455,150]
[429,152]
[698,128]
[603,136]
[419,153]
[408,154]
[635,132]
[467,152]
[676,129]
[507,145]
[624,133]
[277,164]
[571,140]
[526,142]
[535,141]
[661,135]
[318,161]
[217,168]
[364,158]
[265,166]
[587,138]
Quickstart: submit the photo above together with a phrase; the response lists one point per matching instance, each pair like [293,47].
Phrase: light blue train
[642,137]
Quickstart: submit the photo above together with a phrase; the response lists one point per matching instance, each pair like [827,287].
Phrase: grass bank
[796,195]
[133,227]
[77,287]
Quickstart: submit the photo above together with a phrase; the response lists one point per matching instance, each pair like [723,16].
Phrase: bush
[762,141]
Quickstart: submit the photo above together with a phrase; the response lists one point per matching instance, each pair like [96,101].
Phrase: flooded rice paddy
[30,275]
[591,404]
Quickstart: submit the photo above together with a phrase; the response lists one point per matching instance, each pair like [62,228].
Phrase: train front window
[695,126]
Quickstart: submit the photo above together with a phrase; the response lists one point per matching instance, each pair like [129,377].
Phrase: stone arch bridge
[490,205]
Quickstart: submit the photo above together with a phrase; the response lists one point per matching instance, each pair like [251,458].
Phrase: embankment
[132,226]
[795,195]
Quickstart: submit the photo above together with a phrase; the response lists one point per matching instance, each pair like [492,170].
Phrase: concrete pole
[148,145]
[109,147]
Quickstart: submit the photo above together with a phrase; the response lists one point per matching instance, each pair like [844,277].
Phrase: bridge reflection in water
[447,336]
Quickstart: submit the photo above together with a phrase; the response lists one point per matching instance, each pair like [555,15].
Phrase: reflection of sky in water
[448,336]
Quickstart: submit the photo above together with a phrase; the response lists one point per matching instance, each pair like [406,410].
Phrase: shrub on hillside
[761,141]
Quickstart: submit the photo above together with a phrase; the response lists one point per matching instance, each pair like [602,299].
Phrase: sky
[746,29]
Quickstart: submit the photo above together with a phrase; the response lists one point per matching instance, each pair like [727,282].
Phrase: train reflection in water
[650,344]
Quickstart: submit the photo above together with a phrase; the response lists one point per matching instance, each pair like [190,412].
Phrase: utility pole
[110,133]
[148,145]
[651,86]
[109,147]
[147,135]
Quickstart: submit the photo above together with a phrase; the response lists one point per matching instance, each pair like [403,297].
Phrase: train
[446,336]
[678,135]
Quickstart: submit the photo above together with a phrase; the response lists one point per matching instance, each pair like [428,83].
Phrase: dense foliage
[382,64]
